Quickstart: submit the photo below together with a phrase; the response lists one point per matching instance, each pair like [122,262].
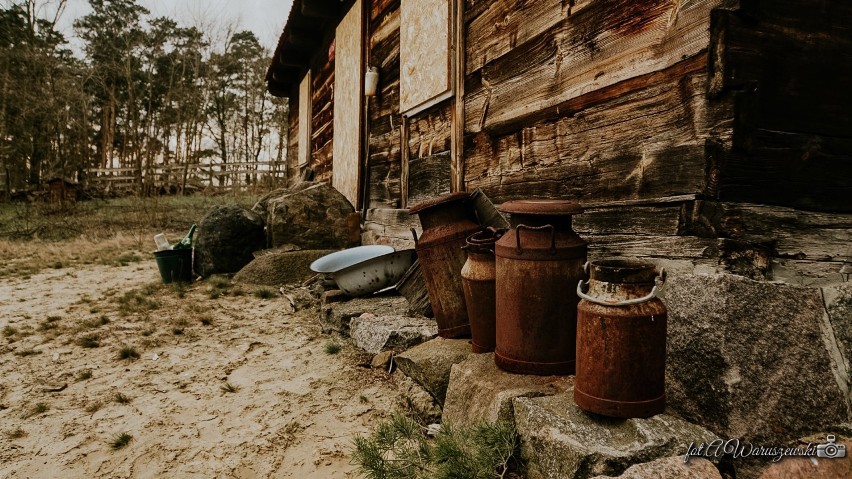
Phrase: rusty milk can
[537,260]
[621,340]
[446,223]
[478,281]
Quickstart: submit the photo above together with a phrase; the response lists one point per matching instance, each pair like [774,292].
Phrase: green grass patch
[229,388]
[265,293]
[128,352]
[398,449]
[120,440]
[89,341]
[137,301]
[333,347]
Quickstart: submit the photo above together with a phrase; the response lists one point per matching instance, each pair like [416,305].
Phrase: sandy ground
[294,413]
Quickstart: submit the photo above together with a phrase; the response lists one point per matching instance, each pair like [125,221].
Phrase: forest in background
[162,106]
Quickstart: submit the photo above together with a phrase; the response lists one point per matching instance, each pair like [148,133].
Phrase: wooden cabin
[714,135]
[63,190]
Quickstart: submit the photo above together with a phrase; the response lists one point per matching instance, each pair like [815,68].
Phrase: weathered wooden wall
[429,153]
[384,119]
[660,116]
[322,105]
[427,172]
[293,138]
[786,66]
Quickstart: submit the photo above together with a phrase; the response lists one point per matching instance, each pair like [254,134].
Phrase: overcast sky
[264,17]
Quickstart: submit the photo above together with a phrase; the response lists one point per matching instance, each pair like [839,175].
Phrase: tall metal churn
[621,340]
[446,223]
[538,260]
[479,276]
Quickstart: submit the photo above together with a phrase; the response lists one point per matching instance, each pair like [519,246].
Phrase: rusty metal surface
[550,207]
[621,350]
[478,282]
[439,201]
[446,224]
[536,307]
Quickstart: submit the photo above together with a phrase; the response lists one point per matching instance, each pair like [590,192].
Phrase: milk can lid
[439,200]
[544,207]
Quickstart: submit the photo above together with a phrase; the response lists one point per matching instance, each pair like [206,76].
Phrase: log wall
[322,106]
[384,162]
[426,171]
[696,132]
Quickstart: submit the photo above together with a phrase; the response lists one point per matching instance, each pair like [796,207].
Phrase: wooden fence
[182,176]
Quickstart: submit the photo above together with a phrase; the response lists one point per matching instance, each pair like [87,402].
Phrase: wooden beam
[303,39]
[403,175]
[321,8]
[458,68]
[292,58]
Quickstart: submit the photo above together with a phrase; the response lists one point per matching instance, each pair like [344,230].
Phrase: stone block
[335,317]
[752,360]
[377,333]
[479,391]
[429,364]
[671,468]
[559,440]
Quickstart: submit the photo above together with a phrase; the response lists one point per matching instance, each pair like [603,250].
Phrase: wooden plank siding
[643,145]
[787,66]
[383,164]
[527,73]
[322,126]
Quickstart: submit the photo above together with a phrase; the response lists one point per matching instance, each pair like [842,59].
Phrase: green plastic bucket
[175,265]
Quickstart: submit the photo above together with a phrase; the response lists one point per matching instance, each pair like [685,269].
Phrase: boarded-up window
[305,119]
[347,104]
[424,51]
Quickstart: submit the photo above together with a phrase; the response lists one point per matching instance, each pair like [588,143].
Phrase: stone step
[429,364]
[559,440]
[480,391]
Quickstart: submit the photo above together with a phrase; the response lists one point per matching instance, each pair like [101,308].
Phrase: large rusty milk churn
[478,281]
[446,223]
[538,261]
[621,340]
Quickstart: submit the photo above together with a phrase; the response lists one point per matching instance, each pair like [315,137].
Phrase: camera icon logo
[831,450]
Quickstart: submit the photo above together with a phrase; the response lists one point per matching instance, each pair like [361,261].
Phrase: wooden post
[458,67]
[403,173]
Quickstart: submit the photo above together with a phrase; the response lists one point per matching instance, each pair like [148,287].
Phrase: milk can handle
[414,235]
[658,282]
[536,228]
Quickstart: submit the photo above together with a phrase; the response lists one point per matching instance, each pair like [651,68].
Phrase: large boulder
[479,391]
[226,239]
[310,216]
[754,360]
[559,440]
[429,364]
[838,304]
[277,268]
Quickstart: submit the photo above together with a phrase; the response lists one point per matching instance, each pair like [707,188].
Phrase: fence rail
[181,175]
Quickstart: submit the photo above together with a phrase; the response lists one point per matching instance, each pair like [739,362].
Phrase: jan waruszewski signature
[739,449]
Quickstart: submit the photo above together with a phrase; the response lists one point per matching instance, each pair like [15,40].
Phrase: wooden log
[643,145]
[384,187]
[794,234]
[634,220]
[603,44]
[428,177]
[787,69]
